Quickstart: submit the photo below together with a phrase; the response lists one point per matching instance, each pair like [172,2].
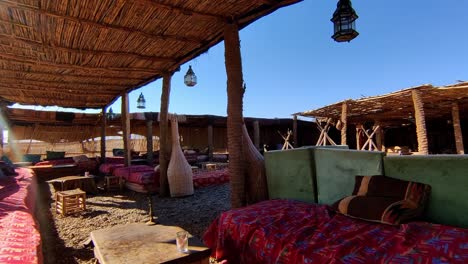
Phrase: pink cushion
[56,162]
[108,168]
[208,178]
[20,240]
[142,177]
[124,171]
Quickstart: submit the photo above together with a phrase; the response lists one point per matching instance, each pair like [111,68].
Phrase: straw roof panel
[398,105]
[116,45]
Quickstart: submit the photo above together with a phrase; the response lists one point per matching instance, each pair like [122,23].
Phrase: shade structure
[397,106]
[85,54]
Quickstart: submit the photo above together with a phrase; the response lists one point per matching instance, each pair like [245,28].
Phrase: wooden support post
[235,93]
[295,143]
[344,123]
[164,154]
[457,129]
[378,137]
[149,142]
[1,140]
[358,136]
[421,132]
[210,142]
[256,126]
[320,128]
[126,130]
[103,134]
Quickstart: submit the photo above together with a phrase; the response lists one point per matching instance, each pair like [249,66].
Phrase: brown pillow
[385,200]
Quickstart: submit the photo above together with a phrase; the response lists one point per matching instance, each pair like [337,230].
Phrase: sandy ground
[63,237]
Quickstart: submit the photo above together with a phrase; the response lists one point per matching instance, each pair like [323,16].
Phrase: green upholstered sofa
[448,177]
[291,173]
[324,175]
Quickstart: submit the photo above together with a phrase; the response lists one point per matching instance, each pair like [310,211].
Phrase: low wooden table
[140,243]
[48,172]
[85,183]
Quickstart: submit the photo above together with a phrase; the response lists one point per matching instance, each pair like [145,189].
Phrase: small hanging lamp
[141,102]
[190,79]
[343,19]
[110,114]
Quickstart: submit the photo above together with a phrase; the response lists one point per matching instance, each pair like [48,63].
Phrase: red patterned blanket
[203,178]
[20,240]
[281,231]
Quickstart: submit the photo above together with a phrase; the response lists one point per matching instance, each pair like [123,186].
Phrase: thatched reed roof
[85,54]
[16,116]
[397,106]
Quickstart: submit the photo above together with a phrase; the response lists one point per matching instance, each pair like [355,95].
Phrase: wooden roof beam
[15,80]
[64,78]
[88,75]
[14,89]
[93,102]
[185,11]
[16,58]
[88,52]
[18,6]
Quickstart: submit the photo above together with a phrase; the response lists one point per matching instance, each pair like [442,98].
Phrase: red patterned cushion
[141,177]
[385,200]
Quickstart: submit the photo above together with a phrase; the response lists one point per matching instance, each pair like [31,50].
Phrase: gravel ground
[64,237]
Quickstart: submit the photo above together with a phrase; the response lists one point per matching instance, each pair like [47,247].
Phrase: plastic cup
[182,241]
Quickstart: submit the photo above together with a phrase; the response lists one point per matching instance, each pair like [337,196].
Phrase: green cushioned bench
[448,177]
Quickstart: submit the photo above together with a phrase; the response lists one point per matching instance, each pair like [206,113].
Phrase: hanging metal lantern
[343,19]
[190,79]
[110,114]
[141,102]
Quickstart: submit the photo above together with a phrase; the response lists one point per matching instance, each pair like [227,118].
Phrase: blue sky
[291,64]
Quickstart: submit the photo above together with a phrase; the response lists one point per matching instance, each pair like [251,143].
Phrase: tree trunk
[344,123]
[457,129]
[255,170]
[126,130]
[103,134]
[235,94]
[149,142]
[163,136]
[420,123]
[295,139]
[210,142]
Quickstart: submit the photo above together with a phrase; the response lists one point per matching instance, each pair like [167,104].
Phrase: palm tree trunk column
[163,136]
[457,129]
[149,142]
[421,132]
[344,123]
[126,130]
[235,94]
[103,134]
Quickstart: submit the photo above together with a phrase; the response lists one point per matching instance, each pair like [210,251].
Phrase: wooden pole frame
[149,142]
[126,130]
[210,142]
[103,134]
[344,122]
[235,92]
[457,129]
[295,139]
[256,127]
[164,155]
[423,146]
